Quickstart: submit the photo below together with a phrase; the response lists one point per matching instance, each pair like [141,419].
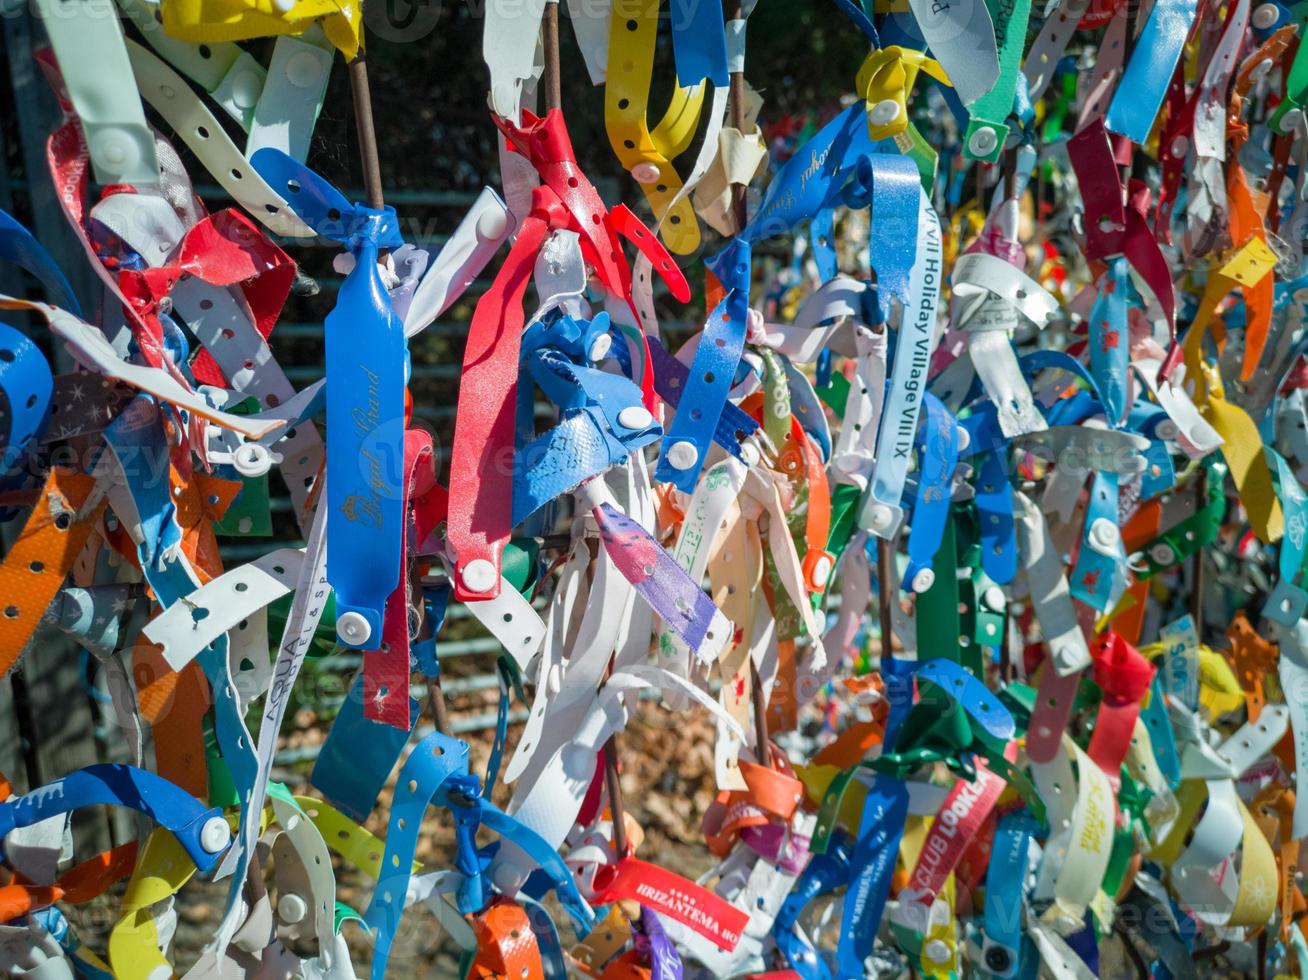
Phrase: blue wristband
[358,755]
[26,385]
[19,247]
[995,510]
[1010,857]
[699,43]
[937,442]
[712,373]
[366,355]
[1149,71]
[193,824]
[881,827]
[1101,564]
[1110,347]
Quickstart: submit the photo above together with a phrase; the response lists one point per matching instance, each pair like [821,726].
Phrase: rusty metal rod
[550,43]
[885,593]
[362,96]
[614,787]
[1197,562]
[734,10]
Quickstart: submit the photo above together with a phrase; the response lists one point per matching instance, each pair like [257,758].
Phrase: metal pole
[1197,563]
[367,134]
[734,10]
[885,594]
[550,42]
[614,786]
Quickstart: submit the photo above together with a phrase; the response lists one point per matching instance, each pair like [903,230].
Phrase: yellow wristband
[644,154]
[238,20]
[884,81]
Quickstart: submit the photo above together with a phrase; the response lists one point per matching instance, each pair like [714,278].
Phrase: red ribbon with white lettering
[673,896]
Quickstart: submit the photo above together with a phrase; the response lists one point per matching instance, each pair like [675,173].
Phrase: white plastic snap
[252,459]
[478,575]
[1104,533]
[994,597]
[983,142]
[215,834]
[1162,554]
[914,914]
[937,950]
[634,417]
[884,112]
[291,908]
[600,347]
[682,455]
[508,878]
[353,628]
[112,146]
[1265,16]
[645,173]
[923,580]
[821,570]
[881,517]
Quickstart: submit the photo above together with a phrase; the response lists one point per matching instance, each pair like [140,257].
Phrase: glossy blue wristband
[26,385]
[871,868]
[1162,737]
[1101,562]
[670,375]
[366,356]
[699,43]
[202,831]
[1010,857]
[1110,346]
[434,761]
[1149,71]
